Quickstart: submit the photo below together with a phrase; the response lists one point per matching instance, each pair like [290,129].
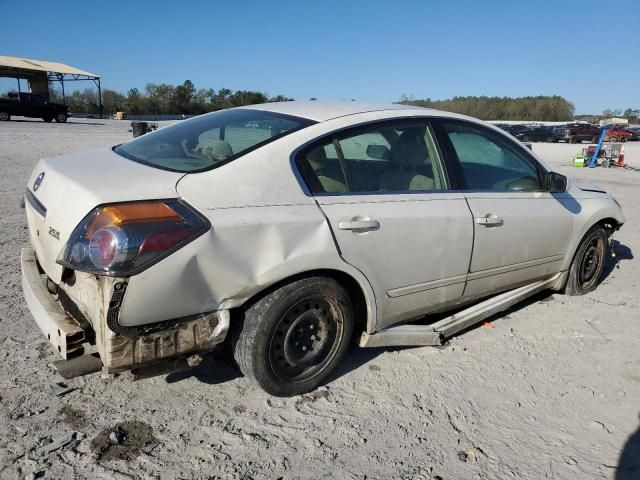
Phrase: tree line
[161,99]
[544,108]
[166,99]
[631,114]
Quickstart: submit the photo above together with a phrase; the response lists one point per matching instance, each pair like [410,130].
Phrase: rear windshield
[210,140]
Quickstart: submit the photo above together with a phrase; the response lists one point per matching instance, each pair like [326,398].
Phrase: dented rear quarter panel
[247,250]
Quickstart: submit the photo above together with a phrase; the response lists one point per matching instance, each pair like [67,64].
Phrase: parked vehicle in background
[539,134]
[579,132]
[289,228]
[31,105]
[618,133]
[636,134]
[514,130]
[531,133]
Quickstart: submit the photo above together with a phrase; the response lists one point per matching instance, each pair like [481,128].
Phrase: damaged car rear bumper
[85,312]
[64,333]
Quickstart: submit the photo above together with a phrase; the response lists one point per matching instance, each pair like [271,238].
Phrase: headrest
[410,148]
[216,149]
[316,158]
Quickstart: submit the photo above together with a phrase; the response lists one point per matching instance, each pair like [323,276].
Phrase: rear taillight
[125,238]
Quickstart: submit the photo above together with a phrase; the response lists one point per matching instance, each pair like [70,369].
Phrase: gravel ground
[550,391]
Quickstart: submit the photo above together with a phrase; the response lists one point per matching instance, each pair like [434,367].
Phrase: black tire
[572,140]
[588,262]
[276,343]
[61,117]
[47,119]
[4,117]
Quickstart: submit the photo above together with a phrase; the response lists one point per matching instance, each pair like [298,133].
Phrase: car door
[38,106]
[387,198]
[25,105]
[521,232]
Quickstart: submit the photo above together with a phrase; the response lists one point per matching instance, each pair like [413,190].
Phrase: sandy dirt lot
[551,391]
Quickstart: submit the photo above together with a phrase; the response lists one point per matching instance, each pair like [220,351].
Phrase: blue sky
[370,50]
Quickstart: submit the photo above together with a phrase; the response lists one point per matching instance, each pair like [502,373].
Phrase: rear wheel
[61,118]
[588,262]
[291,339]
[4,117]
[614,139]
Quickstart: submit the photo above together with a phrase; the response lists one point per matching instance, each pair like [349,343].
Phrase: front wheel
[291,339]
[588,262]
[4,117]
[61,118]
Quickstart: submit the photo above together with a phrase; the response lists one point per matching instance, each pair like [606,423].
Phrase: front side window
[490,162]
[400,158]
[209,140]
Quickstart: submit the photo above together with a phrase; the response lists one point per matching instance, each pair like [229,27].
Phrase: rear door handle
[359,224]
[490,220]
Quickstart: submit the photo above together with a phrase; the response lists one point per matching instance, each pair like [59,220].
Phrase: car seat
[409,156]
[210,146]
[331,179]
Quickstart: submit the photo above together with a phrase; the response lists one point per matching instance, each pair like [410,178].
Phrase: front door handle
[490,220]
[359,225]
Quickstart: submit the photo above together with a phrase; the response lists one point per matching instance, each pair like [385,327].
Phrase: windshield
[210,140]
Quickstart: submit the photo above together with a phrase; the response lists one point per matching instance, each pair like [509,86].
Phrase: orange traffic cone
[621,157]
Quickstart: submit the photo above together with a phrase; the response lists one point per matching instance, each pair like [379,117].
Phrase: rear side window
[490,162]
[378,159]
[210,140]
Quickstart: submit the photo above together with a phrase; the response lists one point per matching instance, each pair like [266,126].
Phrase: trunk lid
[63,190]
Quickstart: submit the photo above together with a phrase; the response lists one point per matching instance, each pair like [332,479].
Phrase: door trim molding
[421,287]
[517,266]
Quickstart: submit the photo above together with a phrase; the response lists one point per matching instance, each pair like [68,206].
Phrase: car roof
[322,111]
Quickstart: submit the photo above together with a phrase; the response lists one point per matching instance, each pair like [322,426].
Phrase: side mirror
[379,152]
[557,183]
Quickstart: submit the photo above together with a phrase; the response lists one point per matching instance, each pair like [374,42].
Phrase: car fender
[592,211]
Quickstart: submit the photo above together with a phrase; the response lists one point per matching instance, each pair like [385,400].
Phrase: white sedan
[288,229]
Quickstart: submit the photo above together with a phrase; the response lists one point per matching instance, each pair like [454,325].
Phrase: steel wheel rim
[62,117]
[306,338]
[590,263]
